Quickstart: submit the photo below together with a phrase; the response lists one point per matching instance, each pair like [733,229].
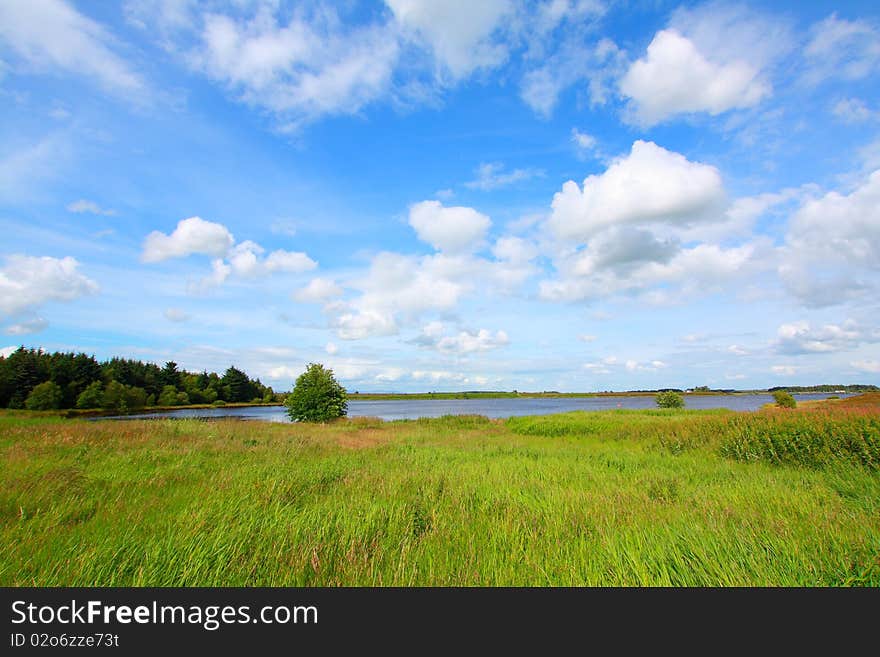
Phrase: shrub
[669,399]
[44,397]
[91,397]
[784,399]
[168,396]
[218,402]
[316,396]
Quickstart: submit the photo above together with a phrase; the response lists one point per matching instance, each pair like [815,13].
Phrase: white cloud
[784,370]
[220,271]
[463,342]
[459,33]
[700,270]
[6,352]
[737,350]
[451,229]
[802,338]
[842,49]
[650,184]
[27,327]
[872,366]
[636,366]
[599,64]
[193,235]
[27,282]
[492,176]
[399,288]
[832,250]
[439,376]
[674,77]
[50,35]
[176,315]
[584,142]
[514,249]
[301,67]
[364,323]
[331,348]
[318,290]
[83,205]
[244,258]
[588,338]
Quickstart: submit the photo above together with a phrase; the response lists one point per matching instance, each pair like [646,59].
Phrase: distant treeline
[856,388]
[35,379]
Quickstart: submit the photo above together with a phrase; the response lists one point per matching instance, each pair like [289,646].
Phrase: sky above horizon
[572,195]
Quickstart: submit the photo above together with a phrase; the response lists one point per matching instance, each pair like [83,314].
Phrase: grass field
[681,498]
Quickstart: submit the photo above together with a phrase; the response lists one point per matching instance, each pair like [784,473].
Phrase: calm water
[410,409]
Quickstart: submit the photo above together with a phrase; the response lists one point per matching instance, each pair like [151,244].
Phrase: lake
[410,409]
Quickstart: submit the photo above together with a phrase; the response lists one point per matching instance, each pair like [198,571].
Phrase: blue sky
[565,195]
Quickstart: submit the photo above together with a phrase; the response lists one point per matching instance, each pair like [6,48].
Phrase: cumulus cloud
[674,77]
[364,323]
[220,271]
[784,370]
[651,184]
[515,250]
[51,35]
[318,290]
[802,338]
[700,270]
[84,206]
[451,229]
[27,282]
[398,286]
[244,259]
[27,327]
[193,235]
[398,290]
[492,176]
[622,248]
[300,68]
[832,249]
[464,342]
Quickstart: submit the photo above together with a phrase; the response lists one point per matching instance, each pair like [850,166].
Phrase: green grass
[678,498]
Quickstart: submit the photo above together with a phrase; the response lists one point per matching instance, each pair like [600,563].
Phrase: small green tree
[168,396]
[669,399]
[91,397]
[783,399]
[114,397]
[44,397]
[316,396]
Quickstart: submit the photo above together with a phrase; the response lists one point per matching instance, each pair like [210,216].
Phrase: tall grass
[678,498]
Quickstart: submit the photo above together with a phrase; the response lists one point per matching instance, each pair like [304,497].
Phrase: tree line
[38,380]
